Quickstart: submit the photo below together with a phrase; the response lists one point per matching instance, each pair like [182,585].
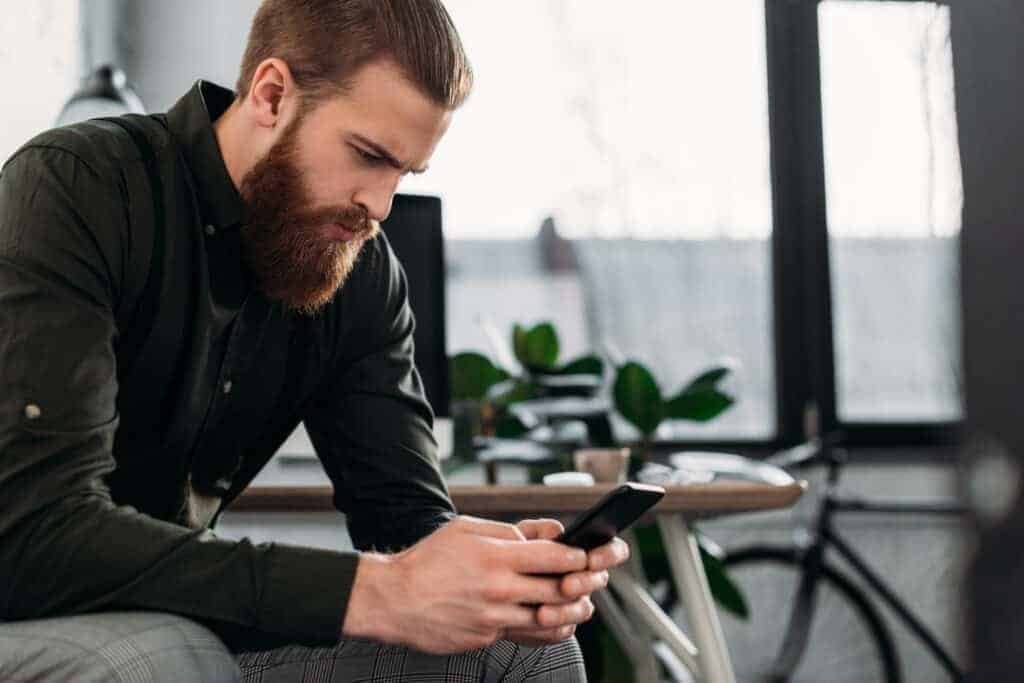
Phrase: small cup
[568,479]
[606,465]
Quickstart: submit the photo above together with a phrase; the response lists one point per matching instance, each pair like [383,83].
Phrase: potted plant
[496,395]
[639,399]
[484,394]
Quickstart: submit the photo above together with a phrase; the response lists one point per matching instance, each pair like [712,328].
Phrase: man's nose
[376,199]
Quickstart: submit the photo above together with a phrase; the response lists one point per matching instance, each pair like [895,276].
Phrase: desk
[631,613]
[633,616]
[508,502]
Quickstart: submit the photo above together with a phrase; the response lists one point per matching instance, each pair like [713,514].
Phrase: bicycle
[800,578]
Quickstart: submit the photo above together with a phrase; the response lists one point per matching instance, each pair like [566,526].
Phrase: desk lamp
[104,92]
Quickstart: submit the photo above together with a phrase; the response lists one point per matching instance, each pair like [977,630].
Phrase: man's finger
[536,590]
[611,554]
[547,529]
[544,557]
[516,617]
[540,636]
[485,527]
[555,616]
[576,585]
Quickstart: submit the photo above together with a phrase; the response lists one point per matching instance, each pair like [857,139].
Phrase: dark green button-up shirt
[99,461]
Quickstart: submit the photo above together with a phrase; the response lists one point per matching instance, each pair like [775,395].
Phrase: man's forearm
[88,555]
[367,615]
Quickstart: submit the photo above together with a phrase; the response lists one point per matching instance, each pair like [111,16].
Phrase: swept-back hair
[324,42]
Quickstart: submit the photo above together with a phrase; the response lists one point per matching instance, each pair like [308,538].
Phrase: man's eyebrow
[388,156]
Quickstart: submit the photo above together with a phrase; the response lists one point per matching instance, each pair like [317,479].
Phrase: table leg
[692,584]
[636,646]
[645,632]
[647,614]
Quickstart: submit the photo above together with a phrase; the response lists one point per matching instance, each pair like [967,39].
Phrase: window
[867,188]
[894,199]
[772,180]
[602,176]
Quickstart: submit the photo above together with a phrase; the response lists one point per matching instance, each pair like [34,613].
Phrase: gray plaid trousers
[145,647]
[363,661]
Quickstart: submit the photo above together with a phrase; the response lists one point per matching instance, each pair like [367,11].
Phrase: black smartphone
[614,512]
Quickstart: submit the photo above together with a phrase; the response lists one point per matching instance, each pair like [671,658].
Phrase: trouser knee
[115,646]
[560,662]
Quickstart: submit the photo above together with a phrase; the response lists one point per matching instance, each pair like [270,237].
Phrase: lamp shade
[104,92]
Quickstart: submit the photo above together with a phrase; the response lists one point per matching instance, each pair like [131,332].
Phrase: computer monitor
[414,230]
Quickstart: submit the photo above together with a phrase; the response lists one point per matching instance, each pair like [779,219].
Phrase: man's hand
[473,582]
[558,620]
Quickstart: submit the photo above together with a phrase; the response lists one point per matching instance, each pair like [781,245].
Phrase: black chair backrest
[414,230]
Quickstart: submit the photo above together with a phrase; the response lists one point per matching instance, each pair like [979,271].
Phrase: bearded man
[177,293]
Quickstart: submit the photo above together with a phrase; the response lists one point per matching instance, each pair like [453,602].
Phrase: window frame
[803,331]
[804,327]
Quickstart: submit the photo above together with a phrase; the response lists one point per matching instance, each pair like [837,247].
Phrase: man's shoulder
[377,266]
[372,285]
[100,145]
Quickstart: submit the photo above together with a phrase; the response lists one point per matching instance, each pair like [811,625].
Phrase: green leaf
[519,342]
[638,398]
[510,427]
[537,348]
[714,374]
[584,365]
[700,404]
[725,592]
[472,375]
[652,552]
[511,391]
[708,545]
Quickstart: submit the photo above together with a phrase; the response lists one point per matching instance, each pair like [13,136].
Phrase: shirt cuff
[306,591]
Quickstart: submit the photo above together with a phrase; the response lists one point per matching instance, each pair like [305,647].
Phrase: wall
[38,67]
[174,43]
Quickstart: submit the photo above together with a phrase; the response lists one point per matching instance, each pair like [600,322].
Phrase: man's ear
[270,91]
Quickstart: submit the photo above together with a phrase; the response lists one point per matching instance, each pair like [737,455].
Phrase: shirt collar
[191,123]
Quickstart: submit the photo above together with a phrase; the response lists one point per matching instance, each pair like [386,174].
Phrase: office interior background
[679,182]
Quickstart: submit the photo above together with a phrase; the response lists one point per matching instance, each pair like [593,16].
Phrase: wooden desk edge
[731,497]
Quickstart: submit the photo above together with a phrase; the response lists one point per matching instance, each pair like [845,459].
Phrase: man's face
[328,181]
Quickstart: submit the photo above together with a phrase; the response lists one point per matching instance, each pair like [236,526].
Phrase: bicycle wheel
[848,642]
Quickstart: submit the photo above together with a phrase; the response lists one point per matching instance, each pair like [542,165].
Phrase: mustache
[353,219]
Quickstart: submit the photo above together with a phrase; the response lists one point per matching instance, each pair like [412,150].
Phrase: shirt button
[33,412]
[226,387]
[210,230]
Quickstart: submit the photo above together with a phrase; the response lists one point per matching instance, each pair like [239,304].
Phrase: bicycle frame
[814,552]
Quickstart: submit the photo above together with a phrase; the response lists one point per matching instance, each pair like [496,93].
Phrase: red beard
[284,241]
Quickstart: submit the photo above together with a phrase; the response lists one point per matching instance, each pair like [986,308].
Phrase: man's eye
[370,158]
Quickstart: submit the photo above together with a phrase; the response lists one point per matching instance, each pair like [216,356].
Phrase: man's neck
[227,130]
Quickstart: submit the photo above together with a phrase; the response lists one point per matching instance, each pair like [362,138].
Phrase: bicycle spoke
[842,645]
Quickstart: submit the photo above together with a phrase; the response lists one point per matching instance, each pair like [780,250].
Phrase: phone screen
[616,511]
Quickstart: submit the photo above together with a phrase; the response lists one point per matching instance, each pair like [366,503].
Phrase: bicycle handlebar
[797,456]
[809,453]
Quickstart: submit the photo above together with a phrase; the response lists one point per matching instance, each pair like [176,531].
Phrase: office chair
[414,230]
